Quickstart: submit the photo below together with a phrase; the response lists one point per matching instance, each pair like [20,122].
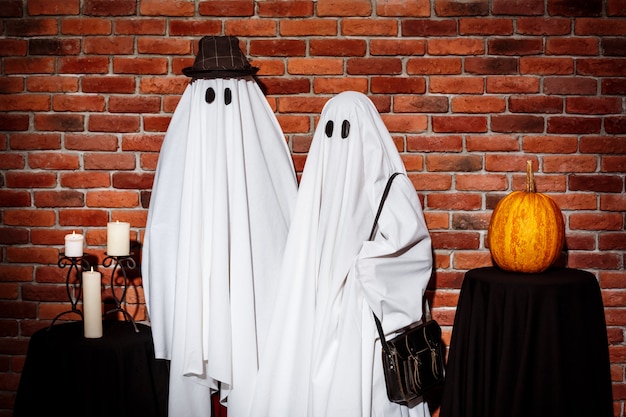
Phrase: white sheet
[221,203]
[321,358]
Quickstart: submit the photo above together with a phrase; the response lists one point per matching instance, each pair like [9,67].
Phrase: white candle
[118,239]
[74,245]
[92,304]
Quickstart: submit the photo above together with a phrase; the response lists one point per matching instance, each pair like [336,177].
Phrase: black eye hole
[329,128]
[228,96]
[209,97]
[345,129]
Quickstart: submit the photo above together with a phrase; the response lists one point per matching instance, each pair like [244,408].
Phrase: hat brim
[226,73]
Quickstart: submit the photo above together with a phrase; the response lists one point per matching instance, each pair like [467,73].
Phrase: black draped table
[528,345]
[116,375]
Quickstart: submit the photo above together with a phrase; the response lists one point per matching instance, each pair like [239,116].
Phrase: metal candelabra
[74,288]
[121,262]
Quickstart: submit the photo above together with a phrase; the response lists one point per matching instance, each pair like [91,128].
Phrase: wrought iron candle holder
[74,288]
[122,263]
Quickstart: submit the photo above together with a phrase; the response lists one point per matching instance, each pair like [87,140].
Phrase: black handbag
[413,359]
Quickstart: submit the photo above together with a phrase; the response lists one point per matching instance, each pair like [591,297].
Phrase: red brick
[149,66]
[343,8]
[478,104]
[294,124]
[60,122]
[167,7]
[110,7]
[22,179]
[291,8]
[412,162]
[145,26]
[492,143]
[83,217]
[163,85]
[508,163]
[550,144]
[431,66]
[543,183]
[65,198]
[603,145]
[90,142]
[113,123]
[428,28]
[25,102]
[472,259]
[546,66]
[398,85]
[134,104]
[454,240]
[109,84]
[485,27]
[249,27]
[456,85]
[31,27]
[109,161]
[593,260]
[142,142]
[613,164]
[28,65]
[401,8]
[518,7]
[435,143]
[14,122]
[108,45]
[437,220]
[293,47]
[601,67]
[570,163]
[11,85]
[615,125]
[112,199]
[133,181]
[317,66]
[148,162]
[596,183]
[12,8]
[455,163]
[13,198]
[613,46]
[480,182]
[579,125]
[459,124]
[54,47]
[53,161]
[308,27]
[163,46]
[613,202]
[44,7]
[420,104]
[226,8]
[52,84]
[85,180]
[515,47]
[570,86]
[593,105]
[572,46]
[500,65]
[85,26]
[517,123]
[535,104]
[156,123]
[35,141]
[574,7]
[12,273]
[600,27]
[615,8]
[301,104]
[11,161]
[550,26]
[464,8]
[406,123]
[369,27]
[459,46]
[580,241]
[29,217]
[78,103]
[84,65]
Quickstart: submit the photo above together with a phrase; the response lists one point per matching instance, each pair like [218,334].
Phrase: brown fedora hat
[219,57]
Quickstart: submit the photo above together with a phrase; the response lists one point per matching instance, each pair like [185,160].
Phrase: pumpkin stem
[530,179]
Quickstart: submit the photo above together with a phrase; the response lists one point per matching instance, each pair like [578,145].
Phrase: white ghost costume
[323,356]
[223,194]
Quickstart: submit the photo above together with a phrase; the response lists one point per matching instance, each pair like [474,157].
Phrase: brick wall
[469,89]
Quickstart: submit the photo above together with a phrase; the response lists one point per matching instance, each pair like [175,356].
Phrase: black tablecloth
[528,345]
[116,375]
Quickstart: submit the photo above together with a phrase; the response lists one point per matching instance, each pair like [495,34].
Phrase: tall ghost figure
[219,213]
[323,357]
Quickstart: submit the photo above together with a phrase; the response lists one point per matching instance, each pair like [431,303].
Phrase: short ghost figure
[222,198]
[323,357]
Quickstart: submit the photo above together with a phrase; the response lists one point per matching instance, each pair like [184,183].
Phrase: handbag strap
[426,307]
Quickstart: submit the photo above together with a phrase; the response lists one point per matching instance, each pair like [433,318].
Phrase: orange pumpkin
[526,230]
